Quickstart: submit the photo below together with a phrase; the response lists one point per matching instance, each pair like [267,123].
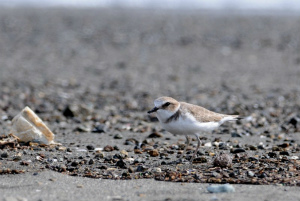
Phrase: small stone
[211,154]
[234,134]
[91,161]
[141,168]
[262,175]
[272,154]
[90,147]
[155,135]
[108,148]
[61,148]
[252,147]
[82,128]
[223,160]
[131,141]
[238,150]
[98,150]
[68,112]
[148,141]
[99,155]
[250,173]
[208,144]
[153,153]
[131,169]
[74,163]
[284,145]
[124,153]
[201,159]
[17,158]
[284,153]
[118,136]
[62,168]
[137,151]
[4,155]
[101,128]
[138,160]
[121,164]
[294,157]
[261,146]
[294,121]
[156,170]
[275,148]
[225,188]
[26,163]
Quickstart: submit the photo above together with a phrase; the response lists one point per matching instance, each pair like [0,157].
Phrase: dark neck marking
[174,117]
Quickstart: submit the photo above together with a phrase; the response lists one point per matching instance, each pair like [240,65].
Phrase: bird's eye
[167,104]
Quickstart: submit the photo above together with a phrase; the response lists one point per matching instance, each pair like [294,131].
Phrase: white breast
[186,124]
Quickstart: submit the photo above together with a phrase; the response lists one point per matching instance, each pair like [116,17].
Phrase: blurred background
[142,49]
[169,4]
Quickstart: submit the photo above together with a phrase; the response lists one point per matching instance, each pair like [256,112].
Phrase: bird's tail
[231,118]
[237,117]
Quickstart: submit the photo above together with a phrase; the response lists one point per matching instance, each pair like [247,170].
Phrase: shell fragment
[28,127]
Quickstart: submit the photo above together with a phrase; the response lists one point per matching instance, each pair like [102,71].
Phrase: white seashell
[28,127]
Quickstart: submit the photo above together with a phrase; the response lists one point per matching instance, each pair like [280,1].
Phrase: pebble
[75,163]
[108,148]
[130,160]
[237,150]
[121,164]
[68,112]
[101,128]
[118,136]
[222,160]
[131,141]
[141,168]
[284,153]
[157,170]
[234,134]
[61,148]
[82,128]
[153,153]
[155,135]
[201,159]
[90,147]
[4,154]
[225,188]
[294,157]
[208,144]
[98,149]
[124,153]
[250,173]
[137,151]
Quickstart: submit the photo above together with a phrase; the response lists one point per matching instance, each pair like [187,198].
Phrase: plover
[182,118]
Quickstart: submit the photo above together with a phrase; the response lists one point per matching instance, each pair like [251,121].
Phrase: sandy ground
[114,63]
[49,185]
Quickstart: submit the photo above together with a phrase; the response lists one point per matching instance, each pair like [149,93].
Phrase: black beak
[153,110]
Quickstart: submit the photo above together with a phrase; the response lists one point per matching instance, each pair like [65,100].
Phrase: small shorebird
[187,119]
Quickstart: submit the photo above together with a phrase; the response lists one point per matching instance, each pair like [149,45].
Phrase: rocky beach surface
[92,74]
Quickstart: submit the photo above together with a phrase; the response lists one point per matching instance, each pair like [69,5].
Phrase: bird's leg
[198,145]
[185,148]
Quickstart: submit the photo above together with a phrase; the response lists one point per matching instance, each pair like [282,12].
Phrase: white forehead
[159,102]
